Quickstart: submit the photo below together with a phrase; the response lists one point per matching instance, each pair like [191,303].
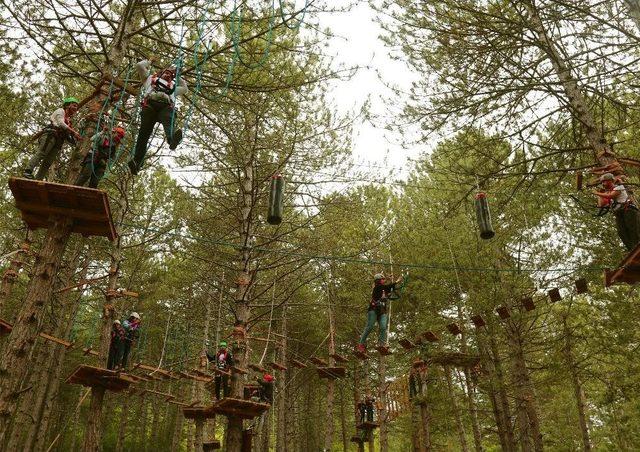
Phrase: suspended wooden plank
[245,409]
[478,321]
[57,340]
[98,377]
[223,372]
[503,312]
[384,350]
[257,368]
[277,366]
[406,344]
[581,286]
[554,295]
[628,272]
[40,203]
[528,304]
[454,329]
[319,362]
[89,351]
[212,444]
[579,179]
[155,370]
[198,412]
[360,355]
[5,327]
[339,358]
[298,364]
[431,336]
[331,373]
[238,370]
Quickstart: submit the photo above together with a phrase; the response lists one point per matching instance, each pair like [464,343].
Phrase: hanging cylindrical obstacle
[484,216]
[276,200]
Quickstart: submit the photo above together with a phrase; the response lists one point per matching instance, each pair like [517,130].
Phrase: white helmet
[116,321]
[378,276]
[135,315]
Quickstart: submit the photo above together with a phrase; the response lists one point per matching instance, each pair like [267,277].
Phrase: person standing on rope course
[131,327]
[116,346]
[614,196]
[223,360]
[52,138]
[159,92]
[418,381]
[95,162]
[266,388]
[377,311]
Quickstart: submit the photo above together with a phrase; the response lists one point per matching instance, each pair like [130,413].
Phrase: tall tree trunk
[425,416]
[502,396]
[197,441]
[416,444]
[382,403]
[122,429]
[526,396]
[14,359]
[577,386]
[343,420]
[233,437]
[470,390]
[93,433]
[11,274]
[456,411]
[178,427]
[329,424]
[281,387]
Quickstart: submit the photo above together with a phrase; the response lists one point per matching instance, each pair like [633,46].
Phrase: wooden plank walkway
[99,377]
[628,272]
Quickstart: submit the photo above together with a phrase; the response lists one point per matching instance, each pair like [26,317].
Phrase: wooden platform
[331,373]
[245,409]
[367,426]
[98,377]
[406,344]
[41,202]
[211,445]
[628,272]
[5,327]
[198,412]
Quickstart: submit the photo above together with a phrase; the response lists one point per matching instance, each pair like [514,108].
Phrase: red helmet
[120,131]
[268,378]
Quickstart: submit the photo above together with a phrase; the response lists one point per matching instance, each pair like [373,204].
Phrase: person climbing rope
[362,411]
[95,162]
[266,388]
[377,311]
[116,346]
[614,196]
[131,327]
[223,360]
[418,381]
[52,138]
[158,105]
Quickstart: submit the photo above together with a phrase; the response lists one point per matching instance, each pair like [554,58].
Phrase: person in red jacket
[95,163]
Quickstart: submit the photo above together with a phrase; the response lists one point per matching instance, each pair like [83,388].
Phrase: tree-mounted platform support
[331,373]
[367,425]
[98,377]
[41,202]
[198,412]
[241,408]
[628,272]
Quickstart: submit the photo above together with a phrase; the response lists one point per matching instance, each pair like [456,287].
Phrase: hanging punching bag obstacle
[483,216]
[276,200]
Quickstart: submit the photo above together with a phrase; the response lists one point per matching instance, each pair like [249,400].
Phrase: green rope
[265,53]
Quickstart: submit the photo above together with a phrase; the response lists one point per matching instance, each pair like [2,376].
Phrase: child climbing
[223,360]
[615,197]
[266,388]
[131,327]
[95,162]
[377,311]
[159,97]
[116,346]
[52,138]
[365,409]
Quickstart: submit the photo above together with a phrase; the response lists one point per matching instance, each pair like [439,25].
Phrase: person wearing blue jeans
[377,311]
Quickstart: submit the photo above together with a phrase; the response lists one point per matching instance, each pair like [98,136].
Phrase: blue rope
[299,22]
[265,54]
[177,80]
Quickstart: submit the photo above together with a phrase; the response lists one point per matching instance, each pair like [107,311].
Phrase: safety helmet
[607,176]
[70,100]
[135,315]
[172,69]
[119,131]
[268,378]
[378,276]
[223,343]
[116,322]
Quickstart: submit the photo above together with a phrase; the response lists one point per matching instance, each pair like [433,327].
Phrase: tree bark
[197,441]
[382,403]
[343,420]
[281,387]
[122,429]
[425,416]
[416,444]
[177,431]
[93,434]
[456,411]
[11,274]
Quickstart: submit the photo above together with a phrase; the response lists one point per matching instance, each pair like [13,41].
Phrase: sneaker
[28,174]
[133,167]
[176,139]
[360,348]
